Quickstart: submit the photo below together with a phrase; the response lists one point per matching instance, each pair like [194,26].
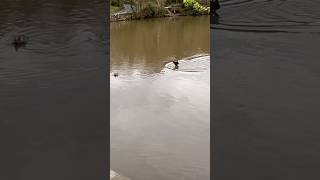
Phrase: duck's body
[176,63]
[20,40]
[115,74]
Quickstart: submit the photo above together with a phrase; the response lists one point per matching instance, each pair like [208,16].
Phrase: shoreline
[132,18]
[127,13]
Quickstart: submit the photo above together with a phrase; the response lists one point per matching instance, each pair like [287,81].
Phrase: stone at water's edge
[116,176]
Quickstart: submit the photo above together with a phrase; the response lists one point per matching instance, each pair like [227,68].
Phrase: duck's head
[20,40]
[175,62]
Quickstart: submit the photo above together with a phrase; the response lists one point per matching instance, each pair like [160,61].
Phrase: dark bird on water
[20,40]
[115,74]
[176,63]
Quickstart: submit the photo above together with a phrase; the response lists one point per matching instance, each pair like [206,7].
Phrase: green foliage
[149,11]
[152,10]
[196,6]
[117,3]
[188,3]
[201,9]
[114,9]
[168,2]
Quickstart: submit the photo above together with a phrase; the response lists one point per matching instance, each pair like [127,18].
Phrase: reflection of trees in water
[151,42]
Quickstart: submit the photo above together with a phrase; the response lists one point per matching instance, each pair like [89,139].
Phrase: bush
[152,10]
[188,3]
[168,2]
[149,11]
[117,3]
[197,7]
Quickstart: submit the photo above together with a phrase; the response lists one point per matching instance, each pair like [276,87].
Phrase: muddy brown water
[160,117]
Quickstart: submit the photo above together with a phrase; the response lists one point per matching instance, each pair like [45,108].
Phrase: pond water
[160,126]
[53,90]
[266,90]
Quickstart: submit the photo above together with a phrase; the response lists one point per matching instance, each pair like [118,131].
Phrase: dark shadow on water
[214,20]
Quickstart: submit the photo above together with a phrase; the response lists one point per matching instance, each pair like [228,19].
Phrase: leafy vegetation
[114,9]
[196,6]
[156,8]
[152,10]
[116,3]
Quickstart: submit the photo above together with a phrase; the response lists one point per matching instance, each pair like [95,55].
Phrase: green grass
[114,9]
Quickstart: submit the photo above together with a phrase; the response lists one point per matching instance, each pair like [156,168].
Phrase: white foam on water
[112,174]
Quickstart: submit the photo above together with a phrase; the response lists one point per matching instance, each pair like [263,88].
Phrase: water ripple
[60,37]
[197,63]
[269,16]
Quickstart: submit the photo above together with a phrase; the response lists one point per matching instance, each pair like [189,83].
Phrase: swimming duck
[176,63]
[20,40]
[115,74]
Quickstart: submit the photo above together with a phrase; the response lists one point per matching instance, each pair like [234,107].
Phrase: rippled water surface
[266,89]
[53,90]
[159,116]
